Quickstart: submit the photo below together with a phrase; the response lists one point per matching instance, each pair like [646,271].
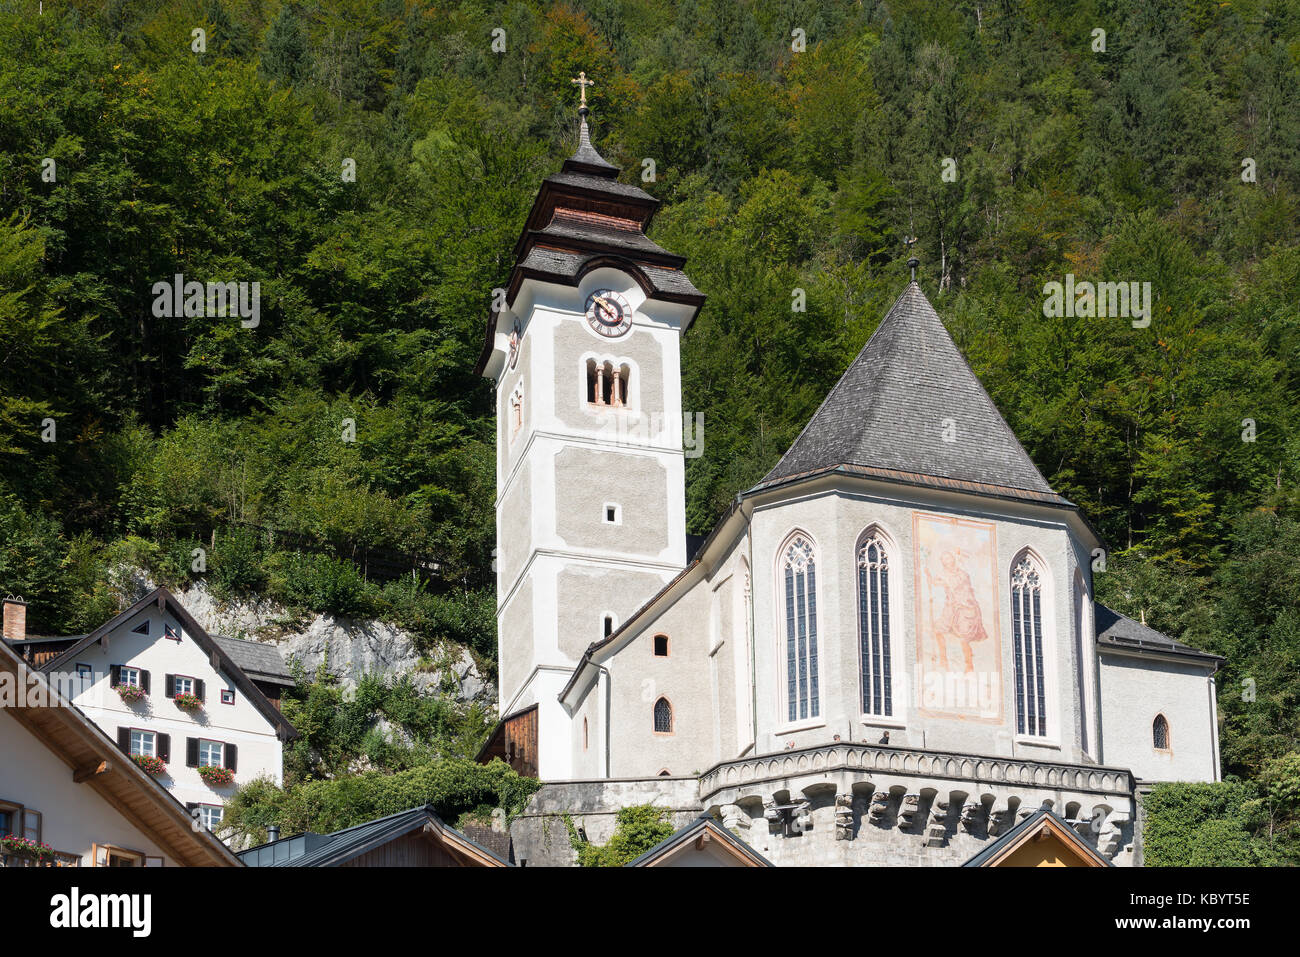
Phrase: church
[887,651]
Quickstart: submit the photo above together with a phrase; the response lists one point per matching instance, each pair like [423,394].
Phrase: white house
[72,799]
[895,630]
[172,695]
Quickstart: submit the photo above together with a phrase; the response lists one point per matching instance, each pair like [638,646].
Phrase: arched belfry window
[608,383]
[798,585]
[1160,733]
[663,717]
[873,626]
[1027,640]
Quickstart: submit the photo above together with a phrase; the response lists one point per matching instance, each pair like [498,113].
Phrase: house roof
[99,764]
[887,414]
[260,660]
[1122,633]
[702,830]
[339,847]
[165,600]
[1041,823]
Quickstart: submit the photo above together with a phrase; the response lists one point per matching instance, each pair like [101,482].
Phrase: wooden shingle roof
[887,415]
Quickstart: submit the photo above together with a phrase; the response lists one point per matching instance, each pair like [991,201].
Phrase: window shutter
[116,675]
[169,686]
[231,755]
[198,690]
[124,739]
[144,680]
[191,752]
[164,746]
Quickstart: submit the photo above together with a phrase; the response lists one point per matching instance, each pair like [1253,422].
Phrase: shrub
[638,829]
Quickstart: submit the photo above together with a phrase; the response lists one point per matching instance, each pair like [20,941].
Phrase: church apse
[959,646]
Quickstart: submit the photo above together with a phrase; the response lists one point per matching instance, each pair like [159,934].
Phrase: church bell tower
[583,349]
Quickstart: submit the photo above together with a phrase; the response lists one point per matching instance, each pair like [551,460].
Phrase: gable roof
[1121,633]
[99,764]
[260,660]
[704,829]
[1041,824]
[885,416]
[339,847]
[166,601]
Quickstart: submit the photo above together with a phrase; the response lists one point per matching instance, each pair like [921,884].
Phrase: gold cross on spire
[582,83]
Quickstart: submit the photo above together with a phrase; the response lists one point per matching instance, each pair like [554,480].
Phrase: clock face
[608,312]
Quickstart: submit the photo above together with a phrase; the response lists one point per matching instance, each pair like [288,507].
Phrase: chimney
[15,619]
[272,833]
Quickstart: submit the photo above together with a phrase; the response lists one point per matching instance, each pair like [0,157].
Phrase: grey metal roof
[330,850]
[1119,631]
[888,411]
[261,660]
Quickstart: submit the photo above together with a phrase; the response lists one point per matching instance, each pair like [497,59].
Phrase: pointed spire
[585,159]
[912,261]
[910,407]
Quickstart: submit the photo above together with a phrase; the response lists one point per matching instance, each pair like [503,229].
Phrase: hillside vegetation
[339,457]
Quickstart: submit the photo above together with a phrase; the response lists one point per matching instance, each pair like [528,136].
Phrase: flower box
[23,847]
[130,693]
[150,764]
[188,702]
[216,776]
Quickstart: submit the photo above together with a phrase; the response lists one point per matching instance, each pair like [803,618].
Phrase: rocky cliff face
[348,648]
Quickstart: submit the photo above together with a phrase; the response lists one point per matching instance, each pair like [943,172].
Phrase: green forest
[370,164]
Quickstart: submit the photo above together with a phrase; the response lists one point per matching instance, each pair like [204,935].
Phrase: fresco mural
[959,646]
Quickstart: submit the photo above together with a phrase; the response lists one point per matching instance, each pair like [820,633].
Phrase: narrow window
[608,384]
[873,627]
[1027,639]
[584,734]
[516,410]
[661,646]
[1160,733]
[799,585]
[663,717]
[609,625]
[613,514]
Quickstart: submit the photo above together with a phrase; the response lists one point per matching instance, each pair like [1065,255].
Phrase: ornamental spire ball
[912,261]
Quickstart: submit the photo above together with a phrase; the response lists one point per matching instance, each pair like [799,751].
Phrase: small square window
[129,676]
[227,696]
[85,672]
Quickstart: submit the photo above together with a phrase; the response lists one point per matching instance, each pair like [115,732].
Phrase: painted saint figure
[961,617]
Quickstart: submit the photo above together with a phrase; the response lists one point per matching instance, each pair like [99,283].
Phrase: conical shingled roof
[886,416]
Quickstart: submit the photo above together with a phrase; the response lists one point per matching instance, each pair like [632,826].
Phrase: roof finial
[912,261]
[581,82]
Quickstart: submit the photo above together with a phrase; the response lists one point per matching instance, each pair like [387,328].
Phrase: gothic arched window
[663,717]
[1027,641]
[799,586]
[1160,733]
[873,627]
